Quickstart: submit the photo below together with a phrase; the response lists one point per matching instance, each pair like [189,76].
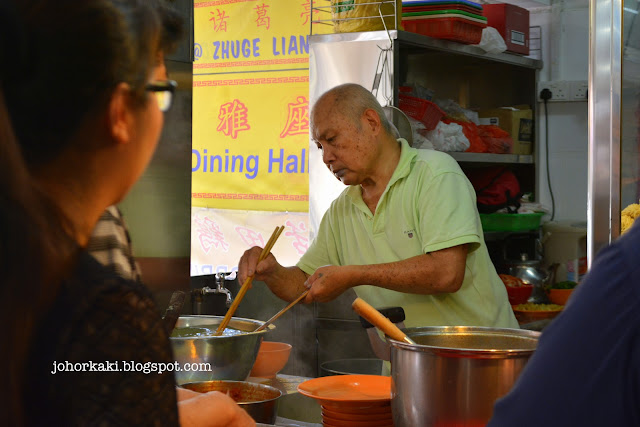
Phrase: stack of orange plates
[352,400]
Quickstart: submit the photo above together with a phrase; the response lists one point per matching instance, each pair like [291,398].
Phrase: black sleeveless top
[101,333]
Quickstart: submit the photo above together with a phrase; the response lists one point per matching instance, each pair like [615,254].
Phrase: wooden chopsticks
[281,312]
[245,286]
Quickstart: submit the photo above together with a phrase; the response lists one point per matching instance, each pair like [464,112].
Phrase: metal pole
[605,71]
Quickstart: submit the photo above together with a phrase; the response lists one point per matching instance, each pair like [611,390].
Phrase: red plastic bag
[497,140]
[470,130]
[496,188]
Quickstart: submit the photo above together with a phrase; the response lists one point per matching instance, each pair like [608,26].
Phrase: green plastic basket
[511,222]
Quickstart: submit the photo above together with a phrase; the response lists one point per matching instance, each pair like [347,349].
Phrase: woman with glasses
[83,88]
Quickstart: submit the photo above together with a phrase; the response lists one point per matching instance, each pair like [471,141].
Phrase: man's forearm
[287,282]
[435,273]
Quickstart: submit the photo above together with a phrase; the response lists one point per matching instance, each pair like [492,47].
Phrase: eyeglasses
[163,90]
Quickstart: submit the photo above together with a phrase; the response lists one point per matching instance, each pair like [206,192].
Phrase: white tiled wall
[565,53]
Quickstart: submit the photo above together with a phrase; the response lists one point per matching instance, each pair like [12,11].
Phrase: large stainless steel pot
[454,374]
[222,357]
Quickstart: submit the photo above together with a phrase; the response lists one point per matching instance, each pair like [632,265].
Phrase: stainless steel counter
[294,409]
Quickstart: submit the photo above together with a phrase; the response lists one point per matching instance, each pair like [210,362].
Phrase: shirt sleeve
[447,213]
[323,249]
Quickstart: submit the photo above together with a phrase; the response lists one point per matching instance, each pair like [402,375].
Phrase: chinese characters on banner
[219,237]
[250,150]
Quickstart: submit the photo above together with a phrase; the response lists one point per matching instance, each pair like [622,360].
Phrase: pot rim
[466,352]
[243,383]
[258,323]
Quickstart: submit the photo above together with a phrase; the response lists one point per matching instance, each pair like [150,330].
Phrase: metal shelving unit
[493,158]
[418,41]
[407,39]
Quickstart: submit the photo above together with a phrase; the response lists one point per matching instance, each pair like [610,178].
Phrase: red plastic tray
[461,7]
[456,29]
[420,109]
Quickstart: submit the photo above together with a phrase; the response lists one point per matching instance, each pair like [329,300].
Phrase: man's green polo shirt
[428,205]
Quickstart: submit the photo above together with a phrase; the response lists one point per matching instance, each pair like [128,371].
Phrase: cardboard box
[512,22]
[518,121]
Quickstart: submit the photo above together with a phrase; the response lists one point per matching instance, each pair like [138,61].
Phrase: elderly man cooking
[405,232]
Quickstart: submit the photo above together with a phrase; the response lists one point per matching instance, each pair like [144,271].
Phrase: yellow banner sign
[250,143]
[251,35]
[250,105]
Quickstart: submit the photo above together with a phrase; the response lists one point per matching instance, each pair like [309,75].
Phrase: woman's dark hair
[60,61]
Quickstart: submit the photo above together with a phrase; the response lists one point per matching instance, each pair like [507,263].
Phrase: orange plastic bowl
[559,296]
[272,357]
[519,294]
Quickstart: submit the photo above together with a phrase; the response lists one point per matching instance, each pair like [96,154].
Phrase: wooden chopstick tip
[245,286]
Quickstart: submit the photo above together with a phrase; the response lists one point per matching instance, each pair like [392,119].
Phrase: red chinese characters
[219,19]
[300,236]
[297,119]
[263,20]
[250,237]
[233,118]
[210,235]
[306,14]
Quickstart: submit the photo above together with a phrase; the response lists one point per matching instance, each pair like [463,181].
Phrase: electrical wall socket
[559,90]
[579,90]
[565,90]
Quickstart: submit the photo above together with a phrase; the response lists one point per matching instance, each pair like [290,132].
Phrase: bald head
[351,100]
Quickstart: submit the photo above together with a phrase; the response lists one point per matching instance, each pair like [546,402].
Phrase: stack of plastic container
[458,20]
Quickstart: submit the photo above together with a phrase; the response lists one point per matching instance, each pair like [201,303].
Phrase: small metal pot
[454,374]
[259,400]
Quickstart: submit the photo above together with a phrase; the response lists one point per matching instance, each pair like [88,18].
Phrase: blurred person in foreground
[405,232]
[586,368]
[110,244]
[82,94]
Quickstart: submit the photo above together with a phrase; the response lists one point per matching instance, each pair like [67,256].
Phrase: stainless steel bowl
[216,358]
[259,400]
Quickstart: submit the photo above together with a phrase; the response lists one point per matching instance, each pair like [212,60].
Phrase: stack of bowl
[352,400]
[366,416]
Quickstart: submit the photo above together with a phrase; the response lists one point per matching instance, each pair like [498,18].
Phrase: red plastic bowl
[519,294]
